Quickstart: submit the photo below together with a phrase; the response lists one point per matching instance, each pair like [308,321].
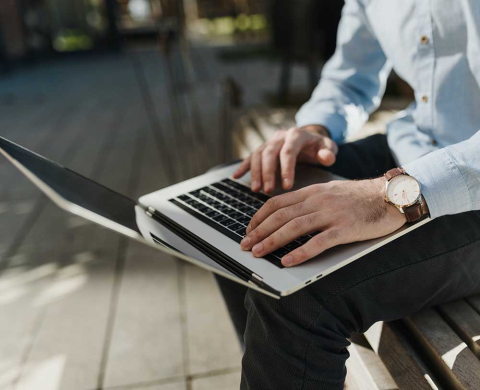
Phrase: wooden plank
[403,362]
[31,271]
[212,342]
[372,362]
[227,381]
[459,367]
[81,308]
[465,321]
[474,302]
[358,375]
[147,335]
[146,341]
[74,302]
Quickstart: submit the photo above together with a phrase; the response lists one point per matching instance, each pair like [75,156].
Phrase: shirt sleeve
[353,80]
[450,177]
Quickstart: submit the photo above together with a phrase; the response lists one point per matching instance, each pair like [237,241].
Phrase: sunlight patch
[44,375]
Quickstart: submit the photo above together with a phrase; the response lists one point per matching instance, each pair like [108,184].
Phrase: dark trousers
[300,341]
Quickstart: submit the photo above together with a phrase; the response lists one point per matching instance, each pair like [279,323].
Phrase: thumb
[326,154]
[326,157]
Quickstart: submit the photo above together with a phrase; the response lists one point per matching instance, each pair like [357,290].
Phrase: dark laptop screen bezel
[75,188]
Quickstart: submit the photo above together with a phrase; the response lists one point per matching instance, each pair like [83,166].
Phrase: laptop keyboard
[228,207]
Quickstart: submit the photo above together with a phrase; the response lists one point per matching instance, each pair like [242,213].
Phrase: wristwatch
[404,192]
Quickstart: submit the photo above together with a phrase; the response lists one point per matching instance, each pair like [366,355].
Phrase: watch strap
[414,212]
[394,173]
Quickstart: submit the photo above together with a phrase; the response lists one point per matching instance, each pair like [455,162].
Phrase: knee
[302,313]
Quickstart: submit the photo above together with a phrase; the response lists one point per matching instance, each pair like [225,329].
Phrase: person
[299,342]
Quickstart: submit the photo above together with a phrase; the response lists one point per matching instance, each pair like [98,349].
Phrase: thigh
[363,159]
[436,263]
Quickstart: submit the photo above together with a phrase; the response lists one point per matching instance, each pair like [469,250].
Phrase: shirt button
[434,142]
[424,39]
[425,98]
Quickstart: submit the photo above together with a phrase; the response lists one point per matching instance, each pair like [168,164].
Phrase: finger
[326,157]
[327,152]
[288,233]
[275,222]
[288,156]
[243,168]
[256,170]
[275,203]
[316,245]
[269,165]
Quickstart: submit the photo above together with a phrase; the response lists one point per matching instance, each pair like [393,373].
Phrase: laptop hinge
[257,277]
[150,211]
[248,275]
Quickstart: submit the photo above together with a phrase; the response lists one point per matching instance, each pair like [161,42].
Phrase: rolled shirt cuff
[443,185]
[335,123]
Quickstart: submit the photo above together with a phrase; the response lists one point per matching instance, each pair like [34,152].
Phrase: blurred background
[138,95]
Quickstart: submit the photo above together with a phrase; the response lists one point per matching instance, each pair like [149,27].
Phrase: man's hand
[342,211]
[309,144]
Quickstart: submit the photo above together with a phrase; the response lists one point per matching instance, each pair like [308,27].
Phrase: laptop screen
[74,187]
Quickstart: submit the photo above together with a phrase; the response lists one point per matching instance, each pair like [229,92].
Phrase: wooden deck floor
[80,307]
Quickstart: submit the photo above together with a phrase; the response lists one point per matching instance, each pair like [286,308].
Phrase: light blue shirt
[434,45]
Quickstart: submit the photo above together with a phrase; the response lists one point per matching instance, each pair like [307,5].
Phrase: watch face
[403,190]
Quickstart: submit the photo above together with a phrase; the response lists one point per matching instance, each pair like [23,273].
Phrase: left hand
[343,212]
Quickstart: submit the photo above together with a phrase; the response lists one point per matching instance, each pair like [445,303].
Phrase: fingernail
[286,183]
[246,242]
[256,185]
[268,186]
[287,260]
[258,248]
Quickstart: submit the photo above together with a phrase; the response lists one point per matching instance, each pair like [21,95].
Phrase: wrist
[317,129]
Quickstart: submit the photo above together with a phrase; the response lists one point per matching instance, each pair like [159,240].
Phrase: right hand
[309,144]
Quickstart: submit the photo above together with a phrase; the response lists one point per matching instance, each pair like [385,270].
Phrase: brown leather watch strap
[394,173]
[414,212]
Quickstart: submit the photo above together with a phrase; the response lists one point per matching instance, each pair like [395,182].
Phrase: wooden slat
[358,375]
[458,365]
[146,342]
[212,342]
[373,364]
[474,302]
[465,321]
[403,362]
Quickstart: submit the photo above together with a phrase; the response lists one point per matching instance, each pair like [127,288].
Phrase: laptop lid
[88,199]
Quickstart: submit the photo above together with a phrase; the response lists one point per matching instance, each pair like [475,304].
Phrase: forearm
[450,178]
[353,80]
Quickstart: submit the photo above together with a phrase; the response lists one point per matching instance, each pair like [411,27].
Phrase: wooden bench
[438,348]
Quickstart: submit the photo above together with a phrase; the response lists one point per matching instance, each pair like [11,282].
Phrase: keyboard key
[204,197]
[204,209]
[236,226]
[303,239]
[235,215]
[245,209]
[280,252]
[220,218]
[197,205]
[293,245]
[244,219]
[195,193]
[251,213]
[213,214]
[184,198]
[242,232]
[227,222]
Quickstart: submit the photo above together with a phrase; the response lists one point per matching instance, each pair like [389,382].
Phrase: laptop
[201,220]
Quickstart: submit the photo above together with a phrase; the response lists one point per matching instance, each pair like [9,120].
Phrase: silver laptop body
[175,220]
